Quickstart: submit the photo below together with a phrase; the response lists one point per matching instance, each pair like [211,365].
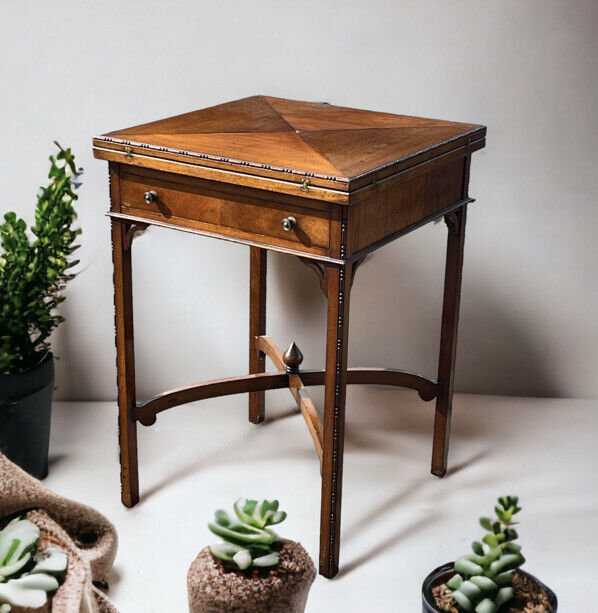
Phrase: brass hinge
[305,185]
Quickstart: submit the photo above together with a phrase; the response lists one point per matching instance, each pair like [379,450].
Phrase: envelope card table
[327,184]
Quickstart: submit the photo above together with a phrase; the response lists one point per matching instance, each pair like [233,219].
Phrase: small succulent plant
[483,580]
[248,540]
[26,577]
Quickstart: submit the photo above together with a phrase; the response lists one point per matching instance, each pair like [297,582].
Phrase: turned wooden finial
[292,358]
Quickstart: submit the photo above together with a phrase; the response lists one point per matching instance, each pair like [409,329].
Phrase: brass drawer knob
[150,196]
[288,223]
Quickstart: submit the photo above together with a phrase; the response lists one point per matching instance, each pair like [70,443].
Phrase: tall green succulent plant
[483,582]
[248,540]
[26,576]
[33,273]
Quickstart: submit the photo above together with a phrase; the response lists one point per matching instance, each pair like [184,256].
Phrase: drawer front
[244,218]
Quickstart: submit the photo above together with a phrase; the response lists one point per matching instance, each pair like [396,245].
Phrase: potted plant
[27,572]
[253,569]
[490,579]
[33,273]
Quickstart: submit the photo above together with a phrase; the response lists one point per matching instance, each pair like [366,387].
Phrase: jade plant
[249,542]
[483,579]
[34,271]
[27,575]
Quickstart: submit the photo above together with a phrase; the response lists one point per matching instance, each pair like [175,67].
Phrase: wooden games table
[324,183]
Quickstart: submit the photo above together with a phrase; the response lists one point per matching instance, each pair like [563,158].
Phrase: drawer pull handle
[150,197]
[288,223]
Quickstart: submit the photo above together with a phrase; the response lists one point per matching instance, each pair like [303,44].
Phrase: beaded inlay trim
[337,395]
[217,158]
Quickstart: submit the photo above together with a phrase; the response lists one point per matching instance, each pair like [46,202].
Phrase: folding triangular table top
[331,146]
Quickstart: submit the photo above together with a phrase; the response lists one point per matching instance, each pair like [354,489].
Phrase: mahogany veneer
[328,184]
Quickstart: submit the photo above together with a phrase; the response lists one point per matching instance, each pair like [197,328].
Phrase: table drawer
[238,216]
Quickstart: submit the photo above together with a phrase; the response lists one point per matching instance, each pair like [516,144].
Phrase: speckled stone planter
[445,572]
[212,589]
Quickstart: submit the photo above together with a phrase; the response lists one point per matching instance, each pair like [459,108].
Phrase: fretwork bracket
[322,270]
[131,230]
[453,222]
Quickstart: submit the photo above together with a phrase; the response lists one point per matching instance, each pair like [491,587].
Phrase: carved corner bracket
[319,269]
[131,230]
[453,221]
[322,270]
[355,265]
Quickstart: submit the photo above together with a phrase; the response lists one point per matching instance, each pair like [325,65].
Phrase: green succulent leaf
[486,606]
[21,596]
[491,540]
[493,554]
[467,568]
[504,595]
[504,579]
[486,523]
[454,583]
[463,601]
[244,511]
[51,560]
[477,548]
[509,561]
[222,519]
[511,547]
[16,540]
[242,559]
[271,559]
[471,590]
[15,567]
[242,534]
[486,585]
[225,551]
[39,581]
[277,518]
[511,534]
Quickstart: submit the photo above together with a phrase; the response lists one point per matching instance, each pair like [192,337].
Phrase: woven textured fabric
[85,535]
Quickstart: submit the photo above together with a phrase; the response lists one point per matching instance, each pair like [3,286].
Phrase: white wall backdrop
[70,70]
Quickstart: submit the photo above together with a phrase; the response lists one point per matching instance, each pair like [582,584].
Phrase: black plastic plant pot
[445,572]
[25,411]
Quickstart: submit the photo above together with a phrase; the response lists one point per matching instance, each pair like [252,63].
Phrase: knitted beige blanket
[87,537]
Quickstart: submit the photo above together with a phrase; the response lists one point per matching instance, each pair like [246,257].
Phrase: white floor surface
[399,522]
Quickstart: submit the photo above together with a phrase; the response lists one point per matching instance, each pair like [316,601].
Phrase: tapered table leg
[448,338]
[338,281]
[257,327]
[125,364]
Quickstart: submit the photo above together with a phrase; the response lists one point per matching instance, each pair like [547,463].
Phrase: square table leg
[338,282]
[455,222]
[125,363]
[257,327]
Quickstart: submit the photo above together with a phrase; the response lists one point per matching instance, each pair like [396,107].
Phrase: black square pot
[25,412]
